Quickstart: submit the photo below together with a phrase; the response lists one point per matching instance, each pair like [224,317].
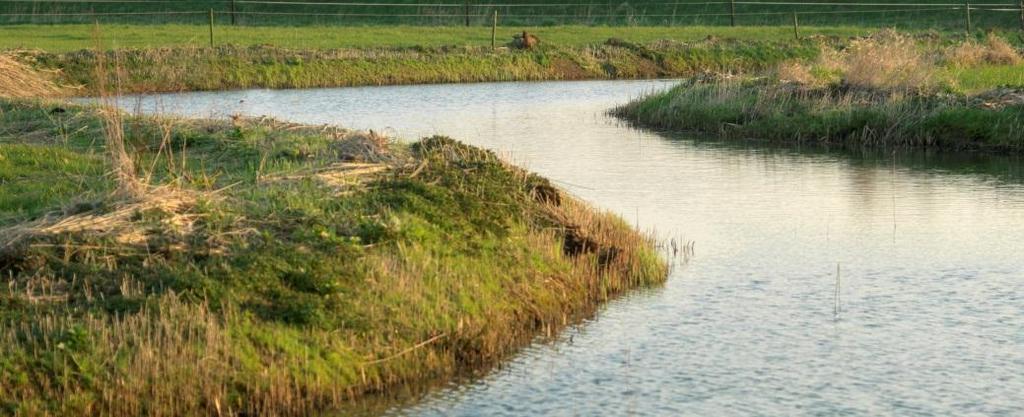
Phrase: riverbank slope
[256,267]
[191,68]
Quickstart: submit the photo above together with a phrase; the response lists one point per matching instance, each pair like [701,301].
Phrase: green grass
[516,12]
[262,273]
[889,90]
[986,77]
[829,116]
[66,173]
[24,168]
[177,57]
[63,38]
[233,67]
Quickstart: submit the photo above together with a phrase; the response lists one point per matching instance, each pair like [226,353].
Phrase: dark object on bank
[575,243]
[617,42]
[58,110]
[524,41]
[544,192]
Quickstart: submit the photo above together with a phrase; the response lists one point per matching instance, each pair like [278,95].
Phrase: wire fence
[902,14]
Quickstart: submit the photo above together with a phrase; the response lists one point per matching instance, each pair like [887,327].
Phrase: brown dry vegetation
[887,61]
[20,80]
[994,50]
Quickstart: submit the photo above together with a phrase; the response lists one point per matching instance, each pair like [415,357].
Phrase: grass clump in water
[274,268]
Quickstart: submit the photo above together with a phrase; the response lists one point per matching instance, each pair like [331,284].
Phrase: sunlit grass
[269,268]
[60,38]
[189,68]
[889,91]
[34,179]
[979,78]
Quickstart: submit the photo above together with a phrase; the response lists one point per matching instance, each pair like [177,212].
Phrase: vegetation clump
[889,90]
[995,50]
[269,268]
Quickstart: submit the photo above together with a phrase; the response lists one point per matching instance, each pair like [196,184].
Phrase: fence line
[496,5]
[486,11]
[228,12]
[107,13]
[101,1]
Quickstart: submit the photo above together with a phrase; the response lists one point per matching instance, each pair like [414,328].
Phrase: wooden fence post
[467,13]
[967,13]
[232,12]
[732,11]
[494,31]
[211,28]
[1021,14]
[796,27]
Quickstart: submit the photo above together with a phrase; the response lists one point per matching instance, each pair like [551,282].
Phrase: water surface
[929,249]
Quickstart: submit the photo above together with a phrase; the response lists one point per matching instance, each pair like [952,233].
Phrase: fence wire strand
[467,10]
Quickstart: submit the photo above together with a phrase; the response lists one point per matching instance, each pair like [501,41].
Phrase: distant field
[920,14]
[61,38]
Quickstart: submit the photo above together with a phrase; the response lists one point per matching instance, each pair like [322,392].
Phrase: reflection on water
[929,248]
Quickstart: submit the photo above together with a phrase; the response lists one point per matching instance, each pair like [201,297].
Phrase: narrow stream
[929,249]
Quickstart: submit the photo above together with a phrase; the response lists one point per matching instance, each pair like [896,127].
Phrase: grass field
[986,77]
[60,38]
[904,14]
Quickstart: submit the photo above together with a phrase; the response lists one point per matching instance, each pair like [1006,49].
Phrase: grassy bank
[306,57]
[233,67]
[66,38]
[254,267]
[889,90]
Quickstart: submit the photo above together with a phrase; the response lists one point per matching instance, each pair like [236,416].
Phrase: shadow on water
[987,166]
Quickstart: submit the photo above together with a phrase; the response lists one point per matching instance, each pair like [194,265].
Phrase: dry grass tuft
[173,205]
[362,146]
[995,50]
[18,80]
[888,61]
[342,176]
[795,72]
[1000,51]
[966,54]
[128,182]
[884,62]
